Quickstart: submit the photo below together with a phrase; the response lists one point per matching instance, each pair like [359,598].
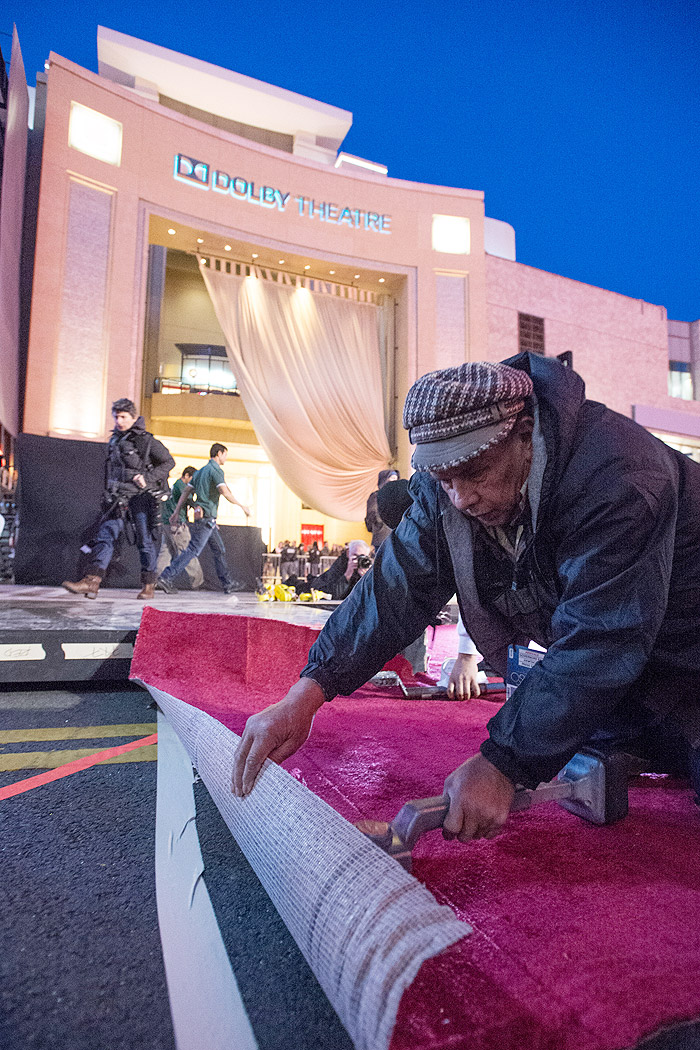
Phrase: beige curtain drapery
[308,369]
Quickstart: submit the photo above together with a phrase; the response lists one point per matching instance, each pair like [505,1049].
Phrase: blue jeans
[142,514]
[203,532]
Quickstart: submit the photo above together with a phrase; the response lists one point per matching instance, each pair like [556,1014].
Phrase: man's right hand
[275,733]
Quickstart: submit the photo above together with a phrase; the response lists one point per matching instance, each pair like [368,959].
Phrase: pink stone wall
[620,345]
[11,212]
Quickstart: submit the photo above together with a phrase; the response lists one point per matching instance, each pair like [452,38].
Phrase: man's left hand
[480,800]
[464,677]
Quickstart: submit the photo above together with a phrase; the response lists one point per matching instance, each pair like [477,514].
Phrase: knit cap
[454,414]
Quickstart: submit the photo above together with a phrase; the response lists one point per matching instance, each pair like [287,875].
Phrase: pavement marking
[22,651]
[54,759]
[24,736]
[97,650]
[73,767]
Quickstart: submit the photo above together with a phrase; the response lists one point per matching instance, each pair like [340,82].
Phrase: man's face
[124,421]
[220,457]
[487,487]
[355,552]
[187,478]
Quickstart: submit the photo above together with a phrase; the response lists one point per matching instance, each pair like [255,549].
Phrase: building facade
[160,165]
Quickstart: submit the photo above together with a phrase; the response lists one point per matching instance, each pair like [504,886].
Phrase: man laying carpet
[555,520]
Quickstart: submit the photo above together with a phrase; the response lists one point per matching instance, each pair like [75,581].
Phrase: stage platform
[48,635]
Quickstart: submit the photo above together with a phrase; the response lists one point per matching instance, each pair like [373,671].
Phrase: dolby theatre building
[206,248]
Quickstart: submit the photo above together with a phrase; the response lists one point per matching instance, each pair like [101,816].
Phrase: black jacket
[613,565]
[136,451]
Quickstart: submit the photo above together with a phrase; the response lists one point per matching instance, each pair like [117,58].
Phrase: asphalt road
[81,964]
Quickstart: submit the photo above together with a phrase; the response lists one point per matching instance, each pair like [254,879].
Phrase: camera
[364,561]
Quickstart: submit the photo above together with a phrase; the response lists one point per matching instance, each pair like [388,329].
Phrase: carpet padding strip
[363,924]
[205,1003]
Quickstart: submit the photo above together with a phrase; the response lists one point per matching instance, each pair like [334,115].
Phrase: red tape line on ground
[73,767]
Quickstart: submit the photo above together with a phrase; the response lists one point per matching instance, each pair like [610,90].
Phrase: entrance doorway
[190,391]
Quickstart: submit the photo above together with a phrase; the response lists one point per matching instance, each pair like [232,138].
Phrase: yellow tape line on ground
[54,759]
[25,736]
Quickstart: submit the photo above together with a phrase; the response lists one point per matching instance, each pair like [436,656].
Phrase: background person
[136,470]
[556,520]
[463,682]
[176,538]
[393,500]
[208,484]
[373,519]
[314,556]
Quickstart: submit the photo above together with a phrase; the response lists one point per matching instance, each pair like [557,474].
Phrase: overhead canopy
[134,63]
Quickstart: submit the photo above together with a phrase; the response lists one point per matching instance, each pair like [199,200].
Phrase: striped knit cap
[454,414]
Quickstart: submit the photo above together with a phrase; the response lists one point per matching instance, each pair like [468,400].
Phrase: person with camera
[136,473]
[344,573]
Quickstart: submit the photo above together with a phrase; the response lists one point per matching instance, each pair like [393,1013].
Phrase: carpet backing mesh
[363,924]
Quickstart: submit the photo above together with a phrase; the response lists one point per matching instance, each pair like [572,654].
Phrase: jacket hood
[560,394]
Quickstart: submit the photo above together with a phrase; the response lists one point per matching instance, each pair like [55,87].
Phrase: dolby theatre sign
[199,173]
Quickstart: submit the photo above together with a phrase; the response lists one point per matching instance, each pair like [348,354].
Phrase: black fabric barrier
[244,554]
[60,485]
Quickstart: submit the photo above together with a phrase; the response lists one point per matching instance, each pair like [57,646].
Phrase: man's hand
[246,510]
[480,800]
[463,678]
[276,733]
[138,479]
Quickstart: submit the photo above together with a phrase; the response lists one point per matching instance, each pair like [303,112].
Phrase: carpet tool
[592,785]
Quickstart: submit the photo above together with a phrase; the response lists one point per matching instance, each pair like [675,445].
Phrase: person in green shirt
[176,537]
[208,484]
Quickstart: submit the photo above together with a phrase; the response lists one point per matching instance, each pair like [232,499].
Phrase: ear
[523,428]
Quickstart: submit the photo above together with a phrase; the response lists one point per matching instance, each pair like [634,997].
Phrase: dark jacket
[136,451]
[610,582]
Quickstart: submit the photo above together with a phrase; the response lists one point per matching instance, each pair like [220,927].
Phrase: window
[680,380]
[531,333]
[95,134]
[451,234]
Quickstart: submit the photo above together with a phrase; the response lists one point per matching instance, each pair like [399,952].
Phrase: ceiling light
[357,276]
[307,267]
[254,255]
[281,262]
[227,247]
[200,240]
[331,272]
[381,280]
[171,232]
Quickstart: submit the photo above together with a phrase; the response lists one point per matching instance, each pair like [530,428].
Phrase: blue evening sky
[579,119]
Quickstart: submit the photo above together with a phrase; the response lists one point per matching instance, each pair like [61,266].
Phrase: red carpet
[585,938]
